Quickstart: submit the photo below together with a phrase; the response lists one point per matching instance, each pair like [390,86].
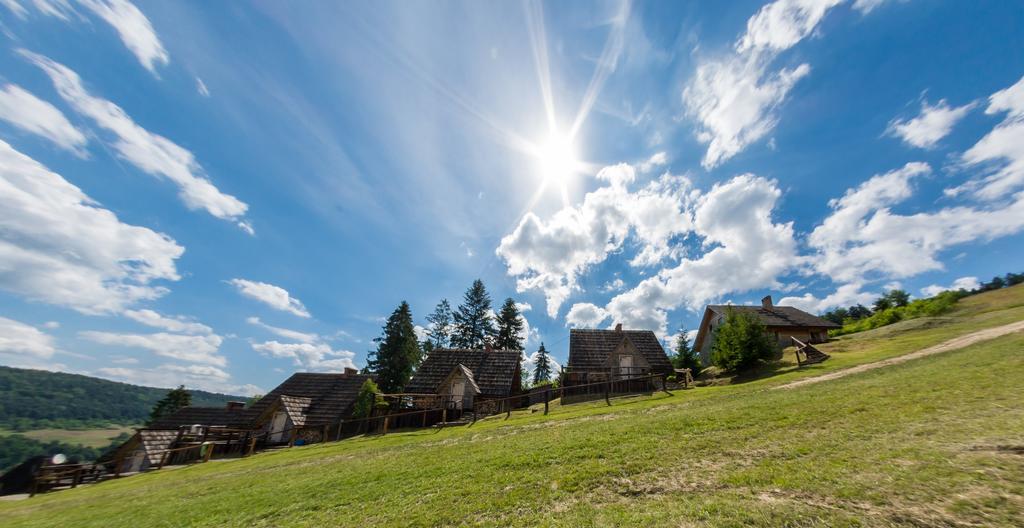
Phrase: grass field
[87,437]
[937,441]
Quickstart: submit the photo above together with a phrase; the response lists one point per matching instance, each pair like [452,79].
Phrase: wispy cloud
[31,114]
[295,335]
[179,324]
[59,247]
[151,153]
[203,349]
[930,126]
[273,296]
[23,345]
[134,28]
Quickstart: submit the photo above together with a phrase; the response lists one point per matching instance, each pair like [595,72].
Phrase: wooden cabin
[783,322]
[464,377]
[602,355]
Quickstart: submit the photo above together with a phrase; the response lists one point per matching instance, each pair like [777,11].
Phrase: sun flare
[557,159]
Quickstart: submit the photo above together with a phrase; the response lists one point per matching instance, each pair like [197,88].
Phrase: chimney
[487,347]
[349,371]
[618,327]
[235,405]
[766,303]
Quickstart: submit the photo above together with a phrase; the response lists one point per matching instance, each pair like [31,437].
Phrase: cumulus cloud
[31,114]
[550,255]
[177,324]
[23,345]
[845,295]
[530,363]
[57,246]
[1001,152]
[311,356]
[189,348]
[586,315]
[273,296]
[286,333]
[748,251]
[735,97]
[658,159]
[933,124]
[151,153]
[134,28]
[863,236]
[963,283]
[199,377]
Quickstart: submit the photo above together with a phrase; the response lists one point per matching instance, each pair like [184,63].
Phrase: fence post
[291,437]
[664,387]
[508,409]
[386,420]
[209,453]
[607,390]
[547,398]
[338,436]
[444,416]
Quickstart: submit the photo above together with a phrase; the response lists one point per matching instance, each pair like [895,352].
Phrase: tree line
[473,324]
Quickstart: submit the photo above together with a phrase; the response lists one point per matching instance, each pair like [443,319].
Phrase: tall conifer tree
[542,366]
[510,327]
[398,351]
[474,323]
[175,399]
[440,332]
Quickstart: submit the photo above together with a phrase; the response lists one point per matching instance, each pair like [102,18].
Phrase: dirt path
[952,344]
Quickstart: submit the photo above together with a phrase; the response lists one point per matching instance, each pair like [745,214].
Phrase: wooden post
[547,398]
[291,437]
[444,415]
[607,391]
[252,445]
[209,453]
[75,477]
[386,420]
[424,424]
[508,409]
[664,387]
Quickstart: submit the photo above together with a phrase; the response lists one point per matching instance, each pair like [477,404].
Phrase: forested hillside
[35,399]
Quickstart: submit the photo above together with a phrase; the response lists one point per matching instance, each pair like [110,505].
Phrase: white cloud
[735,97]
[933,124]
[189,348]
[25,346]
[177,324]
[845,295]
[284,332]
[1001,151]
[200,377]
[862,236]
[586,315]
[273,296]
[867,6]
[201,88]
[57,246]
[311,356]
[51,325]
[749,251]
[530,363]
[658,159]
[151,153]
[134,28]
[963,283]
[31,114]
[613,285]
[550,255]
[16,8]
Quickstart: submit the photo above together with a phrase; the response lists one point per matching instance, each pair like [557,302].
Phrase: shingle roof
[330,396]
[494,371]
[155,442]
[778,315]
[590,348]
[296,408]
[211,416]
[468,374]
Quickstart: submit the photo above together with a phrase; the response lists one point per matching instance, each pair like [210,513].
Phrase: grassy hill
[37,399]
[931,442]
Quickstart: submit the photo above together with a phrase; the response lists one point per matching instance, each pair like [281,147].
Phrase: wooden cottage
[463,377]
[784,322]
[600,355]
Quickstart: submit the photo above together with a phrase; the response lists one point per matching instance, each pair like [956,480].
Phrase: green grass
[99,437]
[922,443]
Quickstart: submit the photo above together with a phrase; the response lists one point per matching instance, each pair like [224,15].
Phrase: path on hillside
[946,346]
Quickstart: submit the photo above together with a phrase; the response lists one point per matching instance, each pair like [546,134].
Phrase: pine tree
[474,324]
[398,351]
[541,366]
[510,327]
[686,356]
[439,333]
[175,399]
[742,341]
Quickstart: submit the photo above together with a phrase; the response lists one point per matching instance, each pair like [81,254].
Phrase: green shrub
[930,307]
[368,400]
[742,341]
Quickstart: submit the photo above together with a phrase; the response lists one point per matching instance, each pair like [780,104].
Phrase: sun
[557,158]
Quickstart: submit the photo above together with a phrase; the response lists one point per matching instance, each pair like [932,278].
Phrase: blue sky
[219,194]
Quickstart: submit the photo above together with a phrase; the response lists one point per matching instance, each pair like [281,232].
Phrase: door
[625,365]
[458,392]
[277,426]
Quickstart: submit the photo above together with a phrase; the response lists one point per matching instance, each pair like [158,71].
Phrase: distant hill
[35,399]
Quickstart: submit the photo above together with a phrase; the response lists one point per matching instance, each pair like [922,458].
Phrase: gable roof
[493,371]
[155,442]
[468,375]
[321,397]
[778,315]
[589,348]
